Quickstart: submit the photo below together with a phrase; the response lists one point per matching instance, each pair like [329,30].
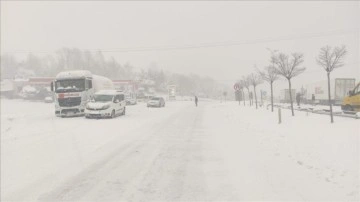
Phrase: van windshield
[103,98]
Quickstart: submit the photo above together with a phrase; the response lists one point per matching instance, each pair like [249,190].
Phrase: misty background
[202,46]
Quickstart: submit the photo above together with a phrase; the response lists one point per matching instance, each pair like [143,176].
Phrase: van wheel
[113,114]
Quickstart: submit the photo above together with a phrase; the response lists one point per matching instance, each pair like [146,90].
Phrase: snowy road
[216,152]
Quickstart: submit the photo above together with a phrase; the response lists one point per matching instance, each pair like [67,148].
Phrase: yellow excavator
[351,103]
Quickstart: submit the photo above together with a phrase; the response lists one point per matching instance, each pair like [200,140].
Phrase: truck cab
[352,101]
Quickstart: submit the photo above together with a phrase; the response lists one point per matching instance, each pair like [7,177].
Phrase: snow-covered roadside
[304,158]
[39,150]
[336,109]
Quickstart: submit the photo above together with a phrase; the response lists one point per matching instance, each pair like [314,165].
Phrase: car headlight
[105,107]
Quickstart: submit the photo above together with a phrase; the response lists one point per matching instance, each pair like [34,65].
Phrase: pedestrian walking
[313,99]
[196,101]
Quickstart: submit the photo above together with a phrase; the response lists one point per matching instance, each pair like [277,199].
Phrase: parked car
[48,99]
[156,102]
[106,103]
[130,98]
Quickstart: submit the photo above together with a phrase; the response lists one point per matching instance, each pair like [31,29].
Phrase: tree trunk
[272,98]
[331,111]
[291,100]
[255,97]
[249,96]
[243,95]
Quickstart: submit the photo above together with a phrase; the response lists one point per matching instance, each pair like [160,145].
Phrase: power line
[206,45]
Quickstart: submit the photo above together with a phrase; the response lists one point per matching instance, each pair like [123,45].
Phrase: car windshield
[155,98]
[103,98]
[73,85]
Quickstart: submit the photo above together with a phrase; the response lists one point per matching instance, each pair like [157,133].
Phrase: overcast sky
[223,40]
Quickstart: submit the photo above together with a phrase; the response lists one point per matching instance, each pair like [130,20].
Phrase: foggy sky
[243,29]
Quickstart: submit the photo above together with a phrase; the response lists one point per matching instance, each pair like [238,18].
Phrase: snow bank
[306,158]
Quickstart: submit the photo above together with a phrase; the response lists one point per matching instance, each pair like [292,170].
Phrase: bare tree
[255,79]
[288,67]
[331,59]
[242,86]
[246,84]
[269,74]
[239,91]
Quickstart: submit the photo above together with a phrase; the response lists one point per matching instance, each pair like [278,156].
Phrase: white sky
[47,26]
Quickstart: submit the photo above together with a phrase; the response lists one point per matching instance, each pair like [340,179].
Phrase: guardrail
[347,114]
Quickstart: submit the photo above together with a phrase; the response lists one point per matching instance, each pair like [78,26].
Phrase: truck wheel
[124,111]
[113,114]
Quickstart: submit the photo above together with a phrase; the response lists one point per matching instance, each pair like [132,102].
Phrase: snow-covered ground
[214,152]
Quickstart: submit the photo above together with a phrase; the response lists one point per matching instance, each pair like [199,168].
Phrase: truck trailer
[171,92]
[285,95]
[73,89]
[339,88]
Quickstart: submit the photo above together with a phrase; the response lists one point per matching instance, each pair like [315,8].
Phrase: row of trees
[62,60]
[191,84]
[289,66]
[73,58]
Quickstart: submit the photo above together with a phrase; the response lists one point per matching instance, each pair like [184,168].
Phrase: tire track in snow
[81,185]
[31,189]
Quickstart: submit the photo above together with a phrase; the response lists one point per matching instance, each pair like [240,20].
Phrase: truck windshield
[73,85]
[103,98]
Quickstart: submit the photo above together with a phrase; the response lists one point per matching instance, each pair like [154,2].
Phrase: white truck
[285,95]
[172,92]
[339,88]
[73,90]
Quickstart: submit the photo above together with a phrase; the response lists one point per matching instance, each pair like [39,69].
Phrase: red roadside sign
[236,86]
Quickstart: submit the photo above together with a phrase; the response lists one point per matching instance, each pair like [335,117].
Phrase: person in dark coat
[196,101]
[313,99]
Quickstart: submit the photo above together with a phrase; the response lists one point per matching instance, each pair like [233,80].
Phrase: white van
[106,103]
